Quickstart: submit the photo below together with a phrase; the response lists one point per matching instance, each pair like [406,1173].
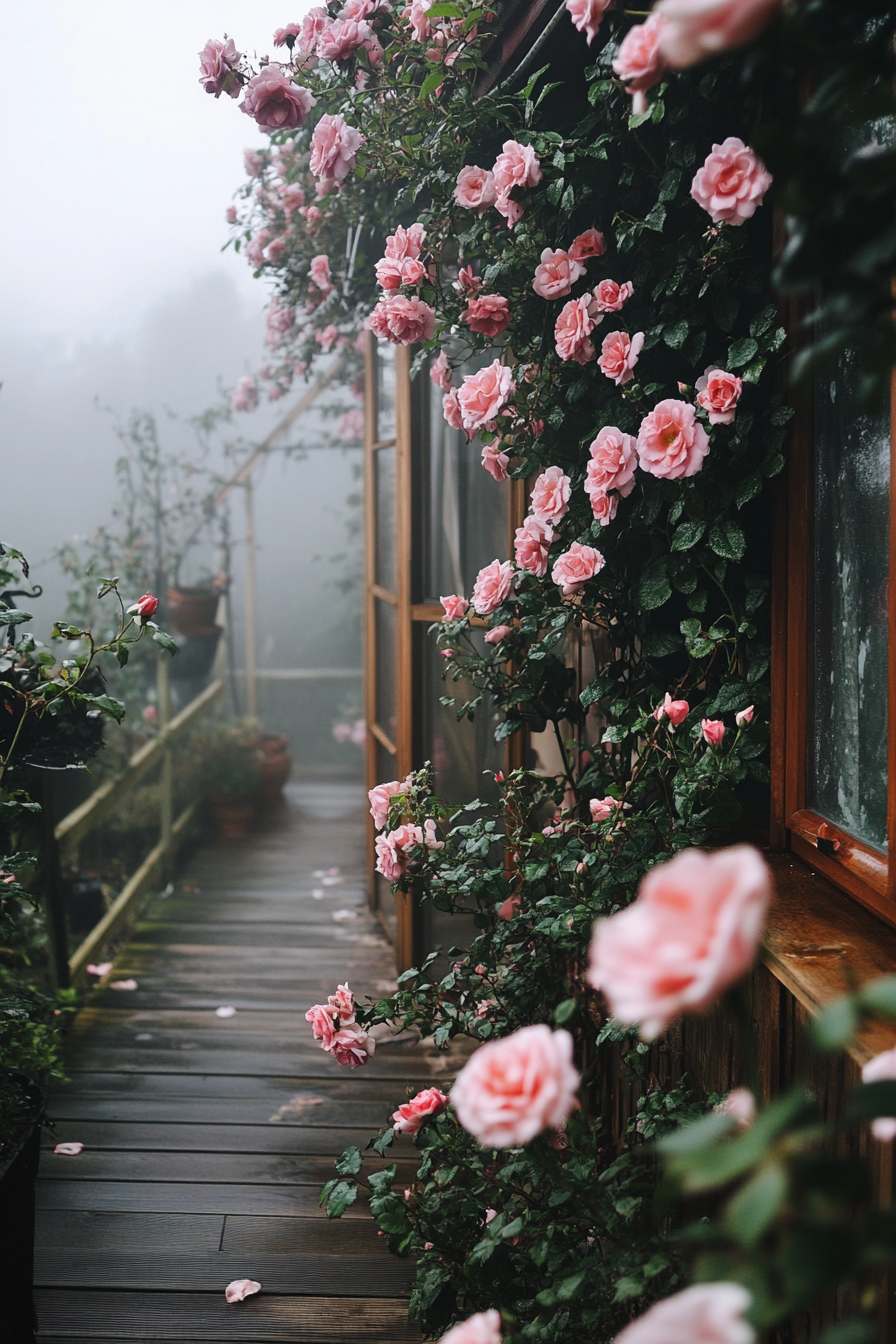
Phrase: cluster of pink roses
[394,848]
[334,40]
[400,318]
[480,188]
[333,1024]
[334,148]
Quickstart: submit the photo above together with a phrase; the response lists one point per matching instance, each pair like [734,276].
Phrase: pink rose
[744,716]
[483,394]
[342,39]
[493,583]
[882,1068]
[334,146]
[483,1328]
[217,63]
[327,338]
[440,371]
[275,102]
[342,1004]
[455,607]
[392,273]
[550,496]
[499,633]
[245,395]
[740,1105]
[512,1089]
[475,188]
[603,808]
[292,198]
[619,355]
[315,22]
[556,274]
[671,442]
[311,214]
[320,273]
[495,462]
[713,731]
[639,62]
[609,297]
[405,242]
[586,15]
[144,607]
[719,392]
[430,837]
[404,321]
[604,506]
[286,37]
[489,315]
[352,1045]
[393,849]
[516,166]
[696,29]
[409,1117]
[572,569]
[380,797]
[253,162]
[323,1027]
[676,711]
[588,244]
[279,319]
[467,282]
[612,465]
[731,183]
[451,409]
[416,14]
[572,329]
[509,208]
[530,546]
[507,909]
[712,1313]
[693,931]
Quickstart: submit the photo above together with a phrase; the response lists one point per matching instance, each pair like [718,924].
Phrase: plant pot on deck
[193,610]
[275,770]
[232,813]
[18,1173]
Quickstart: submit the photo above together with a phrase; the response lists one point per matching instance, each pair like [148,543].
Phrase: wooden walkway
[206,1139]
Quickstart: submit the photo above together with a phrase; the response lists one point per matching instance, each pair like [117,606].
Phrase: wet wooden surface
[207,1139]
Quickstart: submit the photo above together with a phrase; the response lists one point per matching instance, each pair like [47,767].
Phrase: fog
[115,295]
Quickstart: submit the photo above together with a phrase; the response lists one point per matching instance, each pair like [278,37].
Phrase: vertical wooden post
[369,655]
[53,895]
[408,918]
[251,632]
[166,776]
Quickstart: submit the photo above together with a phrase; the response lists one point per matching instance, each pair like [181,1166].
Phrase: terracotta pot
[232,813]
[192,610]
[275,771]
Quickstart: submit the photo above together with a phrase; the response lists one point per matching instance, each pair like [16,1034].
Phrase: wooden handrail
[88,815]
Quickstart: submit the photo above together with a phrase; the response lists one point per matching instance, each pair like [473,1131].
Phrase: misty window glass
[386,644]
[385,392]
[384,486]
[459,751]
[465,509]
[848,724]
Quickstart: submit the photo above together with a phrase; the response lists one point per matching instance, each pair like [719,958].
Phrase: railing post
[251,677]
[166,776]
[53,894]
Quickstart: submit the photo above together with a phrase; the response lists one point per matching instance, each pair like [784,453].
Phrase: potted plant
[232,765]
[275,770]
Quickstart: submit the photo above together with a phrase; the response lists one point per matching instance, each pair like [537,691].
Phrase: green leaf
[871,1100]
[655,588]
[107,704]
[835,1025]
[879,996]
[444,9]
[339,1198]
[687,535]
[349,1164]
[742,352]
[564,1011]
[727,540]
[166,642]
[676,333]
[431,82]
[750,1212]
[10,616]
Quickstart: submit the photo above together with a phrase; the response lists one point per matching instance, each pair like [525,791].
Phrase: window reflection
[384,486]
[385,392]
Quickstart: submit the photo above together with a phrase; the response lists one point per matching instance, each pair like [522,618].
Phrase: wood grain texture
[143,1137]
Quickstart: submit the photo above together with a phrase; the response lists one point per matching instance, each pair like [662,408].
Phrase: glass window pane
[386,770]
[384,485]
[459,751]
[385,392]
[848,733]
[386,627]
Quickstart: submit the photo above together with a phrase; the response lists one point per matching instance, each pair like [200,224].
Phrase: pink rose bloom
[391,273]
[358,9]
[516,166]
[588,244]
[279,319]
[334,146]
[744,716]
[882,1068]
[416,14]
[489,315]
[483,394]
[393,849]
[292,197]
[609,297]
[586,15]
[639,62]
[676,711]
[405,242]
[507,909]
[430,838]
[671,441]
[604,507]
[351,425]
[509,208]
[342,1004]
[499,633]
[275,250]
[495,462]
[713,731]
[572,570]
[613,461]
[530,546]
[342,39]
[512,1089]
[483,1328]
[217,62]
[380,798]
[719,392]
[556,274]
[740,1105]
[731,183]
[550,496]
[323,1027]
[455,607]
[696,29]
[409,1117]
[493,583]
[573,329]
[705,1313]
[603,808]
[327,338]
[467,282]
[693,931]
[451,409]
[440,372]
[275,102]
[286,37]
[619,355]
[253,162]
[245,395]
[405,321]
[255,249]
[320,273]
[352,1045]
[311,214]
[315,22]
[475,188]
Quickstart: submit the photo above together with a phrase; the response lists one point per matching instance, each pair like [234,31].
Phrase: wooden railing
[72,829]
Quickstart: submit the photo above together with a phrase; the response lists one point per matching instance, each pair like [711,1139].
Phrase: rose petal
[68,1149]
[340,915]
[318,893]
[103,969]
[123,984]
[225,1011]
[241,1288]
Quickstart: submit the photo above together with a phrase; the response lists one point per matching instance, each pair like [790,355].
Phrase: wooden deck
[207,1139]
